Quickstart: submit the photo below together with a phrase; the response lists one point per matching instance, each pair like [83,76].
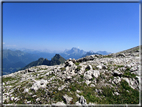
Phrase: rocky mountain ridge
[91,80]
[56,60]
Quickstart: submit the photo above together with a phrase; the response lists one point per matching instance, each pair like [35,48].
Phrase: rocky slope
[95,79]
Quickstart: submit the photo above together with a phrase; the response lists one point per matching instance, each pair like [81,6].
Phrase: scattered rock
[67,99]
[116,93]
[82,100]
[117,73]
[61,88]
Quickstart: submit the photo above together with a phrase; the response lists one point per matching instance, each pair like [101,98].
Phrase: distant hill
[56,60]
[13,60]
[103,52]
[134,49]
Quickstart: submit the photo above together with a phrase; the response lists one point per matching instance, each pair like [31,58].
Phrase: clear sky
[111,27]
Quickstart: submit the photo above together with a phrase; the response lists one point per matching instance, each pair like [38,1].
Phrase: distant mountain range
[90,53]
[13,60]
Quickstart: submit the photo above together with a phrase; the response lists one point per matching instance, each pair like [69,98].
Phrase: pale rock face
[116,80]
[117,73]
[28,102]
[60,104]
[88,82]
[116,93]
[68,78]
[47,74]
[61,88]
[92,85]
[87,76]
[77,103]
[96,73]
[38,99]
[26,90]
[39,84]
[134,68]
[78,91]
[99,67]
[132,83]
[67,99]
[82,100]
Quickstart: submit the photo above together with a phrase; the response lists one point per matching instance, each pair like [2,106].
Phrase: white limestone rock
[95,73]
[92,85]
[61,88]
[82,100]
[77,103]
[39,84]
[88,82]
[62,104]
[67,99]
[116,93]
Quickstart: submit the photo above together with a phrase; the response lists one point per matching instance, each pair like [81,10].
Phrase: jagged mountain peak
[57,56]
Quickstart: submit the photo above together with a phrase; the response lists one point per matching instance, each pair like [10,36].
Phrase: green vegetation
[63,69]
[128,74]
[86,69]
[77,63]
[78,68]
[5,79]
[107,56]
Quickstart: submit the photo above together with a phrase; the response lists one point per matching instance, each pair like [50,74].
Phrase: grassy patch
[107,56]
[77,63]
[86,69]
[63,69]
[128,74]
[5,79]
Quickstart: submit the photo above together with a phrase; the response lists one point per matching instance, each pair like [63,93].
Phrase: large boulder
[88,75]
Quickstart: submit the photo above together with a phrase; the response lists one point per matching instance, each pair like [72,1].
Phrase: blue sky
[111,27]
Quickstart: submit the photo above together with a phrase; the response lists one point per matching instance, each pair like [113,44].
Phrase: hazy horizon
[110,27]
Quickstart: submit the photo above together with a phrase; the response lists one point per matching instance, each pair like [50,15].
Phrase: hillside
[14,60]
[91,80]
